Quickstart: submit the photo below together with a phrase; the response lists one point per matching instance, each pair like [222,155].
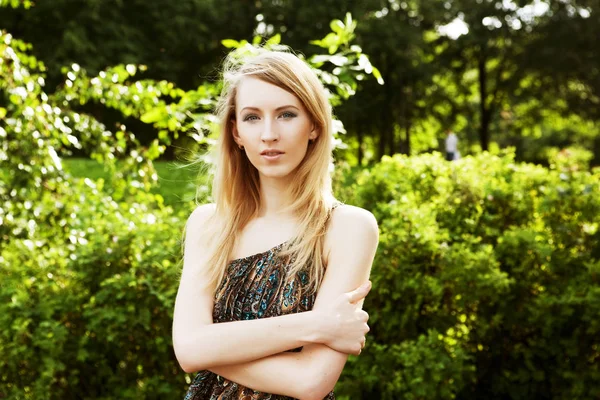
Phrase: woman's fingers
[365,317]
[350,321]
[359,293]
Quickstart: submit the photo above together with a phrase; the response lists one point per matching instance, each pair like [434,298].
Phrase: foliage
[87,303]
[486,282]
[89,267]
[179,41]
[80,274]
[174,112]
[16,3]
[514,68]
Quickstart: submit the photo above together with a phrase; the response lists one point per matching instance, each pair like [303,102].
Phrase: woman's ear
[314,133]
[235,133]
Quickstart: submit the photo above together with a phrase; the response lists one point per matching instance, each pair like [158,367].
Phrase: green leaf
[337,26]
[349,22]
[154,115]
[275,39]
[338,60]
[130,69]
[320,59]
[230,43]
[172,124]
[154,150]
[378,76]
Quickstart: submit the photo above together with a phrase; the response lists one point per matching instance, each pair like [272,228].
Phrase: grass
[176,185]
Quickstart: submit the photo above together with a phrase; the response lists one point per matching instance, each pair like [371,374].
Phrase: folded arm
[312,373]
[199,343]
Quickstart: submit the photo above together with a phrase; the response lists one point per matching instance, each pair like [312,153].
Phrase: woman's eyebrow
[277,109]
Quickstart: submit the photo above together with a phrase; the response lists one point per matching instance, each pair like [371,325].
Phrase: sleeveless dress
[253,287]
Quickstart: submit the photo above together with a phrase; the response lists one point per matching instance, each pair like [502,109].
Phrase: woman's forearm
[309,374]
[238,342]
[290,369]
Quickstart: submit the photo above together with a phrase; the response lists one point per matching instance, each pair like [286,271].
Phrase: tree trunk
[383,132]
[360,133]
[406,119]
[388,120]
[407,136]
[484,128]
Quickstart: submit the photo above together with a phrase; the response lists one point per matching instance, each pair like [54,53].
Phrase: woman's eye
[250,117]
[288,114]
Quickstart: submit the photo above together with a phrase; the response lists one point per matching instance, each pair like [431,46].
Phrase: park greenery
[487,277]
[501,73]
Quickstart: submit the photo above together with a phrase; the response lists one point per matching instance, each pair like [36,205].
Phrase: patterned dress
[253,287]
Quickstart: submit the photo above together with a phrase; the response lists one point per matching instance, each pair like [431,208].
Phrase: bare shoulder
[200,216]
[346,218]
[195,238]
[352,229]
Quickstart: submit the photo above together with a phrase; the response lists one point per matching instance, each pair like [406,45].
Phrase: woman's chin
[275,173]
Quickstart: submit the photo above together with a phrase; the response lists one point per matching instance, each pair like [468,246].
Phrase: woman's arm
[200,344]
[312,373]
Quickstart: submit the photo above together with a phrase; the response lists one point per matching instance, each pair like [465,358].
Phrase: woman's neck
[274,198]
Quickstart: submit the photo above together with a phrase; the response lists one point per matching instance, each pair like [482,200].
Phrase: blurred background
[486,281]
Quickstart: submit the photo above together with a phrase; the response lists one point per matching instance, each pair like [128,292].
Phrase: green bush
[87,312]
[486,282]
[88,267]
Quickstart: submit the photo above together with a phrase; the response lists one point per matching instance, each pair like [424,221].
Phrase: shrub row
[86,306]
[486,286]
[486,280]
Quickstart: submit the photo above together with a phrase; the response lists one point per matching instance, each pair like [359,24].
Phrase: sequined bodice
[253,287]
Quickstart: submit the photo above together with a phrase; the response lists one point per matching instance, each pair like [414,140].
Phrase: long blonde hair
[236,185]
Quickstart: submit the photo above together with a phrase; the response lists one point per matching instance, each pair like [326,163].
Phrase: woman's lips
[272,155]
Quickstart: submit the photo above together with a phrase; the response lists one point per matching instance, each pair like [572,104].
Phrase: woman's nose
[269,133]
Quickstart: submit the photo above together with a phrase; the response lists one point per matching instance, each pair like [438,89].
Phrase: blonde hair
[236,185]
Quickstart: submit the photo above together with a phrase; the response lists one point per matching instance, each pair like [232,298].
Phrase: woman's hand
[344,323]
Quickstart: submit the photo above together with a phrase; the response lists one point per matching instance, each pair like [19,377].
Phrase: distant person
[451,146]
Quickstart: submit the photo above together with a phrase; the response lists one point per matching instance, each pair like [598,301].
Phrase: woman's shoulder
[201,215]
[345,216]
[350,224]
[352,238]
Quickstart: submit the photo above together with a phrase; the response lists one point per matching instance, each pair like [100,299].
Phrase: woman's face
[273,126]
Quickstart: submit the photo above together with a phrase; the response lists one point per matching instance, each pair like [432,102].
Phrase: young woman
[275,271]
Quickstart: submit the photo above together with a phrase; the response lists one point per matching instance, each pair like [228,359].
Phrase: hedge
[486,282]
[485,286]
